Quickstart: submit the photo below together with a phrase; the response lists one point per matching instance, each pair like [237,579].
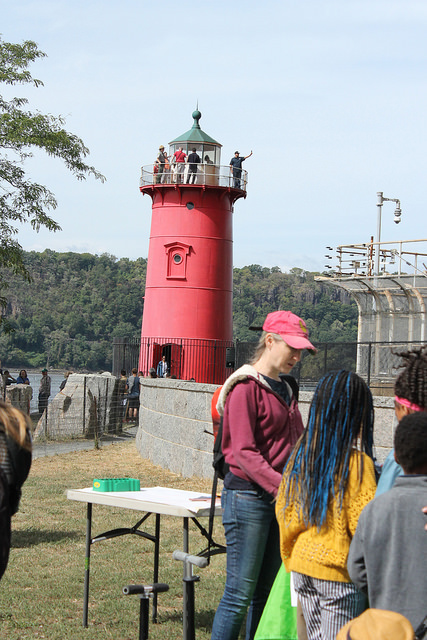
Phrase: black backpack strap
[212,514]
[219,463]
[292,383]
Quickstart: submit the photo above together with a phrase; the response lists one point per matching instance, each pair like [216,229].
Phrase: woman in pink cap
[261,424]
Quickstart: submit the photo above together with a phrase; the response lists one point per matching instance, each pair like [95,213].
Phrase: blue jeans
[253,559]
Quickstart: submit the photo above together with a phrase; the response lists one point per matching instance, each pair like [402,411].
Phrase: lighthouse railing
[207,174]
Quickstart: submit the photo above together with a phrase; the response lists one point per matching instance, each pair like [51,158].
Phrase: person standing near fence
[261,424]
[7,378]
[44,390]
[133,395]
[162,368]
[22,378]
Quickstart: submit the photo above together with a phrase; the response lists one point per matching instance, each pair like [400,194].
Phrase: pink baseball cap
[290,327]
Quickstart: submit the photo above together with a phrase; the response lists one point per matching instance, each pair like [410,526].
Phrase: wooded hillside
[68,315]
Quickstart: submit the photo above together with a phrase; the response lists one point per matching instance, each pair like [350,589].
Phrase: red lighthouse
[188,295]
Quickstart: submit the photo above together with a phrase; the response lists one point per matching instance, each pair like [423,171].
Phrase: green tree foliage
[330,313]
[21,131]
[70,312]
[77,303]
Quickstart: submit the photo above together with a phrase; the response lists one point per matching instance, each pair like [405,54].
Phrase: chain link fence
[89,410]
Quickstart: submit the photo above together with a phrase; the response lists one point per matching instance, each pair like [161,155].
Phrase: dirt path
[55,448]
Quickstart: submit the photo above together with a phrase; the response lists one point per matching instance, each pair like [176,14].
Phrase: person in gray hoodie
[388,553]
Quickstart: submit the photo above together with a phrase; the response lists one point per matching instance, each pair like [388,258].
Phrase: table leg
[185,547]
[185,532]
[156,564]
[87,562]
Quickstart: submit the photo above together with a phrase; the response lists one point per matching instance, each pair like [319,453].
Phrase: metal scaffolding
[392,306]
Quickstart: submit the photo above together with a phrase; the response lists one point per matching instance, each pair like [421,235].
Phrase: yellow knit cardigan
[323,554]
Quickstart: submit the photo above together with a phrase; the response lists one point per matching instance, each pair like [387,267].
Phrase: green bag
[279,618]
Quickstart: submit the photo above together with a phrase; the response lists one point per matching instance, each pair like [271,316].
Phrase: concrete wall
[175,427]
[19,396]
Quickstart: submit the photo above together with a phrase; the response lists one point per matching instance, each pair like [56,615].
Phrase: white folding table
[188,505]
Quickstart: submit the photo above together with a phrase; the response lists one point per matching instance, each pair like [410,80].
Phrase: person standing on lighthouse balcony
[161,163]
[180,157]
[193,161]
[236,167]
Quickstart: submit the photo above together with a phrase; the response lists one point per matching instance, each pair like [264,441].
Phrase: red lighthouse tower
[188,295]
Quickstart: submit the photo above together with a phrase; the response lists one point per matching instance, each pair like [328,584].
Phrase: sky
[331,96]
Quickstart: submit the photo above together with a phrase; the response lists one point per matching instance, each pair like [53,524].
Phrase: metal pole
[87,563]
[379,208]
[84,405]
[368,382]
[156,564]
[212,381]
[189,579]
[188,625]
[143,617]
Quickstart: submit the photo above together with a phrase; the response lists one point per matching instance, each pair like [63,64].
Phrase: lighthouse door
[157,354]
[172,352]
[175,360]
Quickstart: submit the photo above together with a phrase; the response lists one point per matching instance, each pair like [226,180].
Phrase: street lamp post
[397,214]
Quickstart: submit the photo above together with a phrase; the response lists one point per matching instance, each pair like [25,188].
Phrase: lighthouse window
[177,255]
[190,205]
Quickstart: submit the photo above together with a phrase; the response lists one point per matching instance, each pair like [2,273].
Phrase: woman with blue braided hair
[328,480]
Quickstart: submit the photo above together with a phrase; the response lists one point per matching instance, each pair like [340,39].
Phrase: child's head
[341,413]
[410,443]
[410,388]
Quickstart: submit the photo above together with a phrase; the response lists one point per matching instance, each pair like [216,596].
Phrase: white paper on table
[180,498]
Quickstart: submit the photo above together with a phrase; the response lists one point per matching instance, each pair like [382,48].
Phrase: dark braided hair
[318,470]
[410,442]
[411,383]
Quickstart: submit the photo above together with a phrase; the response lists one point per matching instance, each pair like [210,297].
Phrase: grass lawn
[41,593]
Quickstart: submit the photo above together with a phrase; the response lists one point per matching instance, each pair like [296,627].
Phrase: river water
[34,379]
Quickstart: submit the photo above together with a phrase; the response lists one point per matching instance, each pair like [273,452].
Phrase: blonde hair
[260,348]
[15,424]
